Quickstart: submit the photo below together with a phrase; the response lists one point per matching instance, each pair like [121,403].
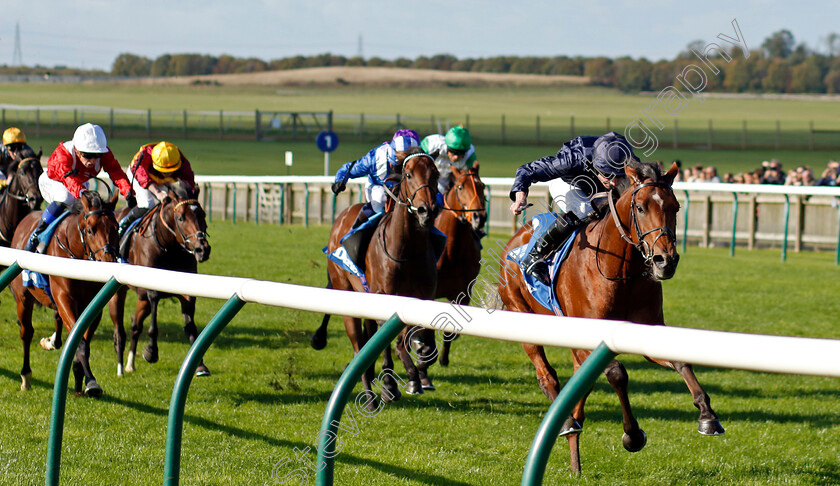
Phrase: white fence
[819,357]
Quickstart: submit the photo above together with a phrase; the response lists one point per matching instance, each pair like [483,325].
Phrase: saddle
[138,225]
[544,295]
[38,280]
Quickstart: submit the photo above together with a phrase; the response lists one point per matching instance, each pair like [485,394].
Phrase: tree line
[779,65]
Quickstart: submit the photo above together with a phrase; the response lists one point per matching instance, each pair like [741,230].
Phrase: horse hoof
[634,443]
[93,390]
[427,384]
[570,426]
[120,370]
[150,354]
[47,343]
[26,382]
[391,395]
[414,388]
[711,427]
[318,341]
[444,360]
[202,371]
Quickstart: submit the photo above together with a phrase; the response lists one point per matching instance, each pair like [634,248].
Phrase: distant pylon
[17,57]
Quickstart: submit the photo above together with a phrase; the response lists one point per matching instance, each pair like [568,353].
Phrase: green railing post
[62,374]
[175,425]
[333,207]
[332,416]
[734,223]
[9,274]
[234,203]
[685,224]
[836,252]
[209,192]
[257,211]
[787,219]
[305,205]
[560,409]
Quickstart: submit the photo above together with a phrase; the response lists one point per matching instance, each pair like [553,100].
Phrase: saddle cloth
[546,296]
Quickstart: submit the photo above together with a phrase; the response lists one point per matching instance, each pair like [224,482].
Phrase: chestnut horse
[172,236]
[21,196]
[463,215]
[614,271]
[89,232]
[400,260]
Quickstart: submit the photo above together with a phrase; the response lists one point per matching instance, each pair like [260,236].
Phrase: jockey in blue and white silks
[377,165]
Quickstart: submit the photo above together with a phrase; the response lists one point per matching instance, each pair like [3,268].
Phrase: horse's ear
[474,168]
[632,175]
[40,153]
[671,174]
[456,172]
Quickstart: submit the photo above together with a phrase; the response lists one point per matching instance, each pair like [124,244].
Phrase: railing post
[62,374]
[836,251]
[14,270]
[341,393]
[787,219]
[560,409]
[305,205]
[234,202]
[221,124]
[734,223]
[685,225]
[175,424]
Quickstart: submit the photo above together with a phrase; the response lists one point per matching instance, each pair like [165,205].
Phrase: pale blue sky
[91,33]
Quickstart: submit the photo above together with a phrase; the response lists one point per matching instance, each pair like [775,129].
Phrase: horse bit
[185,239]
[645,248]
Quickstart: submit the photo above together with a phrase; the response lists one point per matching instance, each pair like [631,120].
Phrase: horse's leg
[426,357]
[141,312]
[444,353]
[190,329]
[634,438]
[150,352]
[414,387]
[709,422]
[116,308]
[319,339]
[24,311]
[390,391]
[53,342]
[358,338]
[91,387]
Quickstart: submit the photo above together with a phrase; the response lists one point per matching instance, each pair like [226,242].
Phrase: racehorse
[464,214]
[399,260]
[90,233]
[172,236]
[614,271]
[22,195]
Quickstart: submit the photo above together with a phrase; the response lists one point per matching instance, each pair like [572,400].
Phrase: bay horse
[22,195]
[399,260]
[613,271]
[464,214]
[171,236]
[90,233]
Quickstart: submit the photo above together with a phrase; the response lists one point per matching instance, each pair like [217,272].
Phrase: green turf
[269,389]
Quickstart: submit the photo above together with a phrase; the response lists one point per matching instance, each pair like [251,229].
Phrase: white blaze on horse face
[658,200]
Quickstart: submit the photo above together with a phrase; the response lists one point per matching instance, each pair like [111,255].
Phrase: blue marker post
[327,141]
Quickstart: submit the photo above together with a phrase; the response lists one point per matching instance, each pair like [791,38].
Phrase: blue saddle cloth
[342,258]
[39,280]
[541,293]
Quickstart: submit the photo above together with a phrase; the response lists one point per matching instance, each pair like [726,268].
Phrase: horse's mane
[180,189]
[94,202]
[27,152]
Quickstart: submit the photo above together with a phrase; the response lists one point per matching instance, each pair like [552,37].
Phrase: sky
[92,33]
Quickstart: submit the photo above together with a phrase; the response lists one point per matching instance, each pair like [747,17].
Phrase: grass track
[269,389]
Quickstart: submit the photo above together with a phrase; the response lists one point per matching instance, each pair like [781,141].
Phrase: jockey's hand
[131,200]
[338,187]
[519,204]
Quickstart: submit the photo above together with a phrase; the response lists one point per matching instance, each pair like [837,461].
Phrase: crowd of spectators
[770,172]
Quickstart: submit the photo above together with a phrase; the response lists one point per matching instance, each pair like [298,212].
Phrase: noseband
[645,248]
[90,254]
[408,202]
[23,195]
[464,213]
[185,239]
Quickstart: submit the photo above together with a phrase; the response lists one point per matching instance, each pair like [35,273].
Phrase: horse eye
[180,218]
[639,208]
[460,187]
[408,175]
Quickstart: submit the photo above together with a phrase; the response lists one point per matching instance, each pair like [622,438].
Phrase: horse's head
[467,197]
[418,186]
[24,173]
[188,222]
[97,227]
[653,216]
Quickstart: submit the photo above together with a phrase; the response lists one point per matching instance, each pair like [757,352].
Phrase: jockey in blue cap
[377,165]
[581,168]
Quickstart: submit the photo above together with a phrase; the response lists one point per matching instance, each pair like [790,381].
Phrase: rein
[185,239]
[468,216]
[88,252]
[408,203]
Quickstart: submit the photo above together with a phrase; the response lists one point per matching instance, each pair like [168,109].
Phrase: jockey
[14,142]
[69,169]
[377,165]
[453,149]
[154,165]
[582,167]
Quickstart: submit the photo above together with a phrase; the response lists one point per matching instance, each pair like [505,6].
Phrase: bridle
[464,213]
[23,194]
[107,249]
[408,202]
[645,248]
[185,238]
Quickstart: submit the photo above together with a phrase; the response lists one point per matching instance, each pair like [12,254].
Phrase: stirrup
[539,270]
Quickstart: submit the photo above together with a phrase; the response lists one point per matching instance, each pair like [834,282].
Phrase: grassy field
[269,389]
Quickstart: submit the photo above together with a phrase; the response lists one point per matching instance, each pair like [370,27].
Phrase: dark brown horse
[462,217]
[172,236]
[89,233]
[21,196]
[400,260]
[614,271]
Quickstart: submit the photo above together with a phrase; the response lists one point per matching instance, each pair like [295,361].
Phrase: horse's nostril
[659,260]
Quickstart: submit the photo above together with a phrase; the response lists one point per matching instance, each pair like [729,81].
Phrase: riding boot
[364,214]
[136,213]
[48,216]
[534,263]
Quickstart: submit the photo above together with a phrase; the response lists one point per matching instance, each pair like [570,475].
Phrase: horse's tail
[319,339]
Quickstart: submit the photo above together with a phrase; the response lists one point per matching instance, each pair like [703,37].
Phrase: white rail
[778,354]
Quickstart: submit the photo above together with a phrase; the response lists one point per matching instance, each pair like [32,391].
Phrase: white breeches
[568,198]
[56,191]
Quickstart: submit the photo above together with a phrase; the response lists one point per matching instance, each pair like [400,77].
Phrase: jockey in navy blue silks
[582,167]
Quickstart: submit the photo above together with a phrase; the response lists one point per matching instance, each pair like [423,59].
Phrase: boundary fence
[728,215]
[798,355]
[368,127]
